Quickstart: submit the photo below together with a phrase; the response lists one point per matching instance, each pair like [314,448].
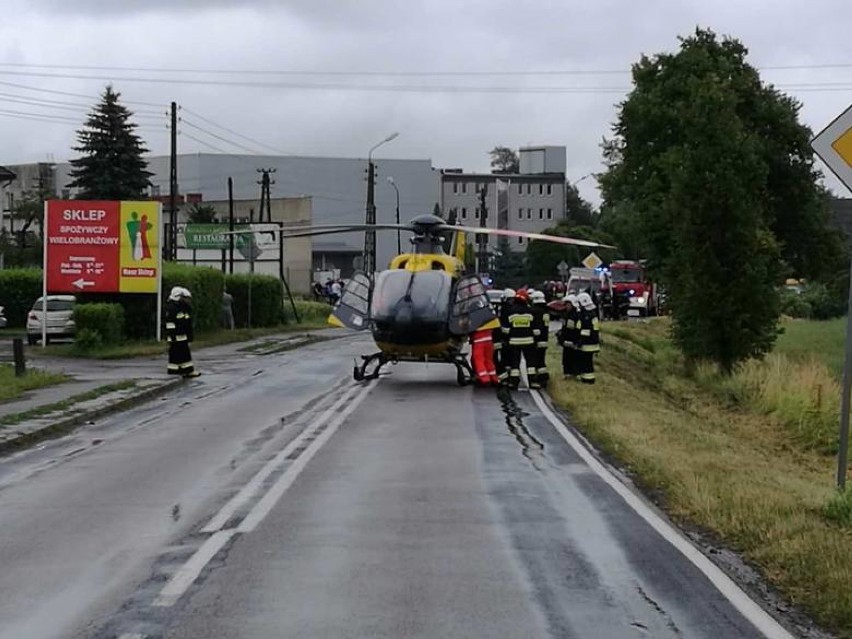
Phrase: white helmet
[537,297]
[571,299]
[508,294]
[585,300]
[178,292]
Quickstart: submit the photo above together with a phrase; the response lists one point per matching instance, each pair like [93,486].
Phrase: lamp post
[370,235]
[587,175]
[396,188]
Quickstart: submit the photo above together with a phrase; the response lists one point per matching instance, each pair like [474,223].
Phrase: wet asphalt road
[275,498]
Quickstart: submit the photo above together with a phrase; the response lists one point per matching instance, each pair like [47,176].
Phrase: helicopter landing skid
[359,372]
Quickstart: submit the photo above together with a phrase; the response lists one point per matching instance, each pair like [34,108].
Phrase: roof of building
[6,175]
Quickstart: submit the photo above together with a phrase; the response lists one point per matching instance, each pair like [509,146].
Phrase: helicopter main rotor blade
[320,229]
[558,239]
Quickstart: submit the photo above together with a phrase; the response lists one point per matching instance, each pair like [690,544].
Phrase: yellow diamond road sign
[592,261]
[834,146]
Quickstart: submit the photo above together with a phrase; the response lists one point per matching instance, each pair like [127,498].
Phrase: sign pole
[159,320]
[833,145]
[44,280]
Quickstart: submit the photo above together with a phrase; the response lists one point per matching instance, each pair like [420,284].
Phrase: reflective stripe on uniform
[182,316]
[180,338]
[586,332]
[521,341]
[170,325]
[590,348]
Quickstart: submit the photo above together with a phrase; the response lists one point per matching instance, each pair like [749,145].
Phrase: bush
[19,288]
[824,305]
[267,298]
[99,322]
[794,305]
[839,507]
[88,340]
[205,284]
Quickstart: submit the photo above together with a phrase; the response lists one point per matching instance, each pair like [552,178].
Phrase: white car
[60,309]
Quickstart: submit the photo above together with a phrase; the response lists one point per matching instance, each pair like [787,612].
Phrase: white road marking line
[756,615]
[188,573]
[135,635]
[256,482]
[262,508]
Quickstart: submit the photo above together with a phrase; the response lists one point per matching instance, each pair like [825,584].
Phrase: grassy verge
[130,350]
[66,404]
[742,457]
[803,340]
[12,387]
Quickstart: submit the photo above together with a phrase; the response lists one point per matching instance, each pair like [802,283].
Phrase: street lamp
[396,188]
[370,235]
[587,175]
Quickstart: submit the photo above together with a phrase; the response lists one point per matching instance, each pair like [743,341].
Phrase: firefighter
[519,339]
[542,323]
[497,335]
[589,342]
[568,336]
[179,332]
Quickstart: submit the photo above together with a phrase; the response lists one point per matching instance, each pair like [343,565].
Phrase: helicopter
[423,307]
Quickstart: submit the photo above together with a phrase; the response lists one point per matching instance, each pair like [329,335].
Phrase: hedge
[205,284]
[267,298]
[98,324]
[19,289]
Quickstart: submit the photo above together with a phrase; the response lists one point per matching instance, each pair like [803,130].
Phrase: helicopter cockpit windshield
[418,297]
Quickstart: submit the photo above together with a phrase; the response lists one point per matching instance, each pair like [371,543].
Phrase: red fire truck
[634,294]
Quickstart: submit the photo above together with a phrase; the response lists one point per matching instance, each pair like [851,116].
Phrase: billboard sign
[102,246]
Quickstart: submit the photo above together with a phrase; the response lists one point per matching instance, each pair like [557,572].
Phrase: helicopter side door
[471,309]
[353,309]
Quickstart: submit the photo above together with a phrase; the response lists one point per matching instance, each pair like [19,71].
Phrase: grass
[41,411]
[804,339]
[12,387]
[741,457]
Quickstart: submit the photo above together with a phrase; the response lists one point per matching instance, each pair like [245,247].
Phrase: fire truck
[633,292]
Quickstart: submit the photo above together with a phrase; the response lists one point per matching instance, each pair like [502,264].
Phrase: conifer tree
[111,166]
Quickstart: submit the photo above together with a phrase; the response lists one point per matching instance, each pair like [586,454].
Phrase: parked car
[60,309]
[2,318]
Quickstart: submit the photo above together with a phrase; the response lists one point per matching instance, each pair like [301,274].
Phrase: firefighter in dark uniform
[589,339]
[542,322]
[497,335]
[518,339]
[569,336]
[179,332]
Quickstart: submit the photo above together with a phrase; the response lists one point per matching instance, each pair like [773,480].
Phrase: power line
[388,73]
[74,95]
[219,137]
[232,132]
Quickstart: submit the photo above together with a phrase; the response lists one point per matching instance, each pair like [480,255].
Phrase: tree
[577,210]
[693,170]
[508,265]
[504,160]
[543,257]
[201,214]
[111,167]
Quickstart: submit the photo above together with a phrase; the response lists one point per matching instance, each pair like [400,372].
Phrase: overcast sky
[453,118]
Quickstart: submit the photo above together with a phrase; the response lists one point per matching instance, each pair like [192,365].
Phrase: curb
[69,424]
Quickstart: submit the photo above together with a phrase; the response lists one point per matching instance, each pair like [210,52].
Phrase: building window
[455,187]
[476,213]
[520,189]
[549,214]
[529,189]
[550,189]
[464,213]
[541,214]
[520,240]
[520,214]
[464,187]
[529,214]
[541,189]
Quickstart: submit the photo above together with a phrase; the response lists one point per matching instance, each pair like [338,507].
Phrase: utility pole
[370,235]
[265,193]
[173,188]
[481,238]
[231,225]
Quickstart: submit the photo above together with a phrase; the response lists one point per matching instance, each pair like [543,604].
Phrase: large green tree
[578,211]
[714,167]
[111,166]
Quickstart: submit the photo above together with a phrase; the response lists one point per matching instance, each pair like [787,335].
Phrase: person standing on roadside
[589,343]
[568,336]
[541,316]
[179,333]
[227,310]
